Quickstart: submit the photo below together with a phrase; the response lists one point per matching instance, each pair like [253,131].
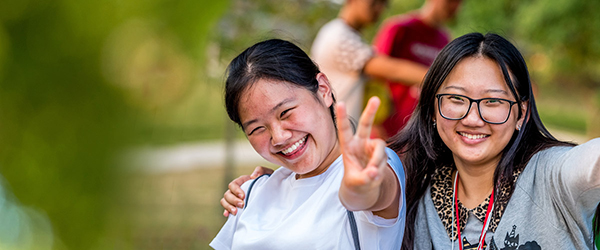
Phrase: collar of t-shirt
[441,194]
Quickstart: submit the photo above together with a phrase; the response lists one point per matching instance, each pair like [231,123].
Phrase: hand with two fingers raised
[369,183]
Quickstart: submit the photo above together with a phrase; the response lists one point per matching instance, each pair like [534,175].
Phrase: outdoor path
[212,154]
[208,154]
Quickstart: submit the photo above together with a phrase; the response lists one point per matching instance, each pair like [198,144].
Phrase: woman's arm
[578,174]
[369,183]
[395,70]
[234,196]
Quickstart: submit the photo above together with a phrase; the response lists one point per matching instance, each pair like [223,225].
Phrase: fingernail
[241,195]
[240,204]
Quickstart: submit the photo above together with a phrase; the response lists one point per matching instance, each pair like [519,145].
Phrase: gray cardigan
[551,207]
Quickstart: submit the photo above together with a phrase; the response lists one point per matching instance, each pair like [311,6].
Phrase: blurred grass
[175,210]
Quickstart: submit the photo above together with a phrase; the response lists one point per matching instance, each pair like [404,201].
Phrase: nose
[279,135]
[473,119]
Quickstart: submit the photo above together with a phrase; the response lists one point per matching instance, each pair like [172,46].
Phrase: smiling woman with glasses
[482,170]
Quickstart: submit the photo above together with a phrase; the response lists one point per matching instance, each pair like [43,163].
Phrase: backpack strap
[354,229]
[250,189]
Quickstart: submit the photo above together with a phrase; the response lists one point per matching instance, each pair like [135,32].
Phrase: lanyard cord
[486,222]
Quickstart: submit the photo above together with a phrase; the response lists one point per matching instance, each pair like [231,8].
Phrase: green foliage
[248,22]
[560,39]
[68,113]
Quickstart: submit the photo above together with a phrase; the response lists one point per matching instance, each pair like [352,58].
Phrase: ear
[524,106]
[325,92]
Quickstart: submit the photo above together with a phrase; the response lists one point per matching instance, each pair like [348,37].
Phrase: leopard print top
[441,194]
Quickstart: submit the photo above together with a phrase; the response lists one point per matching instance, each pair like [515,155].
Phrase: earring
[434,124]
[518,127]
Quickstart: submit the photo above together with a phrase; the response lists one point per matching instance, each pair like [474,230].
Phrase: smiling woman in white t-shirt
[285,106]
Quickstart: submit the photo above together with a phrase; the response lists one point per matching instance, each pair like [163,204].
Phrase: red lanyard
[486,222]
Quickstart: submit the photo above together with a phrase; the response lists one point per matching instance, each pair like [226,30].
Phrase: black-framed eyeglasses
[491,110]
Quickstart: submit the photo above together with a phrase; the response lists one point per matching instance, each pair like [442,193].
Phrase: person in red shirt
[418,37]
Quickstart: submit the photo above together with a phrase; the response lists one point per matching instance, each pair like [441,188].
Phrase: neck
[427,15]
[349,18]
[475,184]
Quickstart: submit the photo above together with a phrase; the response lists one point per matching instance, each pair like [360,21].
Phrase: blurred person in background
[348,60]
[417,37]
[319,198]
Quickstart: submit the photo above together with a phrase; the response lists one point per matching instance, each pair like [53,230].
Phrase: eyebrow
[486,91]
[246,124]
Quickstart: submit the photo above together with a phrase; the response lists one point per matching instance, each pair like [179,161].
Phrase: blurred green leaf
[65,123]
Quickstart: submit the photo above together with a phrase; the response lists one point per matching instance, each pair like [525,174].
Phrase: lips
[294,147]
[473,136]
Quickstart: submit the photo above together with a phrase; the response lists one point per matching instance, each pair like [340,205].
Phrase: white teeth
[472,137]
[293,147]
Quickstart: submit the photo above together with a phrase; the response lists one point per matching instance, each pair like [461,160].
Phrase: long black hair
[273,59]
[421,148]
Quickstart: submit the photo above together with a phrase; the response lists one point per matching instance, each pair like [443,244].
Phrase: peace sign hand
[365,162]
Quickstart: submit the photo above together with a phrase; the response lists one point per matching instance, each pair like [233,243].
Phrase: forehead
[265,91]
[476,75]
[261,97]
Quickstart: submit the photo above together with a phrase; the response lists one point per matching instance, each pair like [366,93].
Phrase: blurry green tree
[560,38]
[67,113]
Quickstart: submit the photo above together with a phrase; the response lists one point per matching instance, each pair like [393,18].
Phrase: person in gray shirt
[482,170]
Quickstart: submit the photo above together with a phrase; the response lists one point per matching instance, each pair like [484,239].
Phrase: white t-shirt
[341,54]
[286,213]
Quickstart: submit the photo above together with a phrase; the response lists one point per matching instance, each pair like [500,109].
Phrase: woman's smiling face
[474,142]
[290,126]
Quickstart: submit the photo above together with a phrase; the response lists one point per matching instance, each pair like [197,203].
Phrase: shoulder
[400,20]
[336,35]
[589,151]
[394,160]
[392,156]
[334,26]
[394,24]
[572,169]
[277,176]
